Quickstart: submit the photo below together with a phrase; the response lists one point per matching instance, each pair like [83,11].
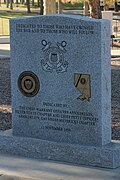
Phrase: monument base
[107,156]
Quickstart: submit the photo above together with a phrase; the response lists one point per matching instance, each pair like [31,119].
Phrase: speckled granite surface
[5,98]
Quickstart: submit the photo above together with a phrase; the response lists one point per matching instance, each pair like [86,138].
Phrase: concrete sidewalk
[4,40]
[15,168]
[115,52]
[5,46]
[4,50]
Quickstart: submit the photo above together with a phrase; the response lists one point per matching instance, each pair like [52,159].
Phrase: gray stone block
[61,91]
[107,156]
[61,84]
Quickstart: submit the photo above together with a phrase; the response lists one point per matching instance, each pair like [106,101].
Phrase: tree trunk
[106,7]
[59,6]
[28,6]
[38,3]
[11,4]
[53,7]
[116,6]
[50,7]
[95,9]
[16,2]
[22,1]
[7,3]
[86,7]
[41,7]
[33,3]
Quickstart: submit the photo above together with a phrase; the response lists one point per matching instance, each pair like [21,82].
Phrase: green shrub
[78,5]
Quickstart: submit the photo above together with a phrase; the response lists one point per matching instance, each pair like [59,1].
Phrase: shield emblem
[28,84]
[82,83]
[54,57]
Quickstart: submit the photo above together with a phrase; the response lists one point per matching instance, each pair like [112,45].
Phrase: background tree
[116,6]
[7,3]
[38,3]
[59,6]
[95,9]
[22,1]
[86,7]
[49,7]
[41,7]
[33,3]
[28,6]
[16,2]
[11,4]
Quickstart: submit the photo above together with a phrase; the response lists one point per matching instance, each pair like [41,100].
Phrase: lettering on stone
[54,115]
[55,29]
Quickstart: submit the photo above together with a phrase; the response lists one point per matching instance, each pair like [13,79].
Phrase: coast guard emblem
[82,83]
[54,57]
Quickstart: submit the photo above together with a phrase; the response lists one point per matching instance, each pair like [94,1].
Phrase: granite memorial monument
[61,90]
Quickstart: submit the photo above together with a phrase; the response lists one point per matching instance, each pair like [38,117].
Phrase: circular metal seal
[28,83]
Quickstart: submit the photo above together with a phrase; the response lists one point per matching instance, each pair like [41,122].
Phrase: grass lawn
[13,14]
[73,6]
[21,10]
[4,26]
[4,20]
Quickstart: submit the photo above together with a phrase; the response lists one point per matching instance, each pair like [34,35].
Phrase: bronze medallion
[28,83]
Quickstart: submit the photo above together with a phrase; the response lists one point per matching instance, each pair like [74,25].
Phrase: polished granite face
[61,81]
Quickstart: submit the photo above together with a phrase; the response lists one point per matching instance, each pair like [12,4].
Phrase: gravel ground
[5,95]
[5,98]
[115,103]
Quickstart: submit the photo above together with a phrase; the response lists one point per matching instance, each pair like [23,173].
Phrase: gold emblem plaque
[28,83]
[82,83]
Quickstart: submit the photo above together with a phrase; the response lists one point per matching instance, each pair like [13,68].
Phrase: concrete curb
[5,40]
[9,177]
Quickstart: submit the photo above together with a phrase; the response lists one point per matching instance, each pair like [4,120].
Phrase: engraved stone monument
[61,90]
